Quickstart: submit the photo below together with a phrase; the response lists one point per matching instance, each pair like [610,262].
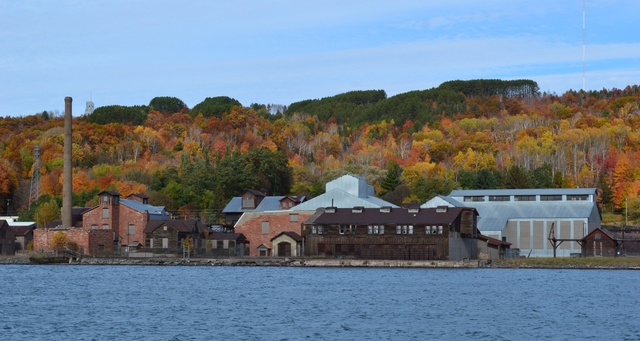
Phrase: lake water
[64,302]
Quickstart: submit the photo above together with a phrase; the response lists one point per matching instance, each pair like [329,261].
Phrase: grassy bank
[589,262]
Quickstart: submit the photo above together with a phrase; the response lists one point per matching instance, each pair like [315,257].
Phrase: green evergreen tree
[516,177]
[392,179]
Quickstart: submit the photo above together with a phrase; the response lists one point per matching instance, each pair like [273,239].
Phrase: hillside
[412,146]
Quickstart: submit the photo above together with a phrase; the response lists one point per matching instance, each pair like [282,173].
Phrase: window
[165,228]
[293,217]
[442,209]
[165,243]
[404,229]
[434,229]
[94,227]
[151,243]
[550,197]
[132,229]
[219,244]
[342,227]
[499,198]
[225,244]
[263,253]
[381,229]
[105,213]
[410,229]
[100,247]
[313,229]
[524,198]
[370,229]
[375,229]
[326,229]
[398,229]
[427,229]
[105,227]
[105,199]
[577,197]
[440,229]
[353,229]
[474,198]
[265,227]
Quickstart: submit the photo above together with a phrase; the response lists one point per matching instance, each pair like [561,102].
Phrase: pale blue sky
[128,51]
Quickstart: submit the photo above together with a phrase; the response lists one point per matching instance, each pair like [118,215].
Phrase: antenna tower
[584,38]
[35,176]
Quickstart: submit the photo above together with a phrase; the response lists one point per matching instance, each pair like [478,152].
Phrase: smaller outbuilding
[166,236]
[7,239]
[23,233]
[492,248]
[226,244]
[286,244]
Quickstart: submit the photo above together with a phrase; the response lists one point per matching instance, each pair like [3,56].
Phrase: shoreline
[538,263]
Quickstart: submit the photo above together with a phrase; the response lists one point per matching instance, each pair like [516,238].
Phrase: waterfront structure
[256,201]
[7,239]
[287,244]
[167,236]
[612,241]
[524,217]
[23,233]
[441,233]
[226,244]
[345,192]
[114,225]
[492,248]
[262,217]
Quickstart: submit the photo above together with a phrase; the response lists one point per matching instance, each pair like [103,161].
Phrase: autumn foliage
[464,135]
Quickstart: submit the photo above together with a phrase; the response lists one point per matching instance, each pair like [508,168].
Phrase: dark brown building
[7,239]
[442,233]
[612,241]
[166,236]
[225,244]
[23,235]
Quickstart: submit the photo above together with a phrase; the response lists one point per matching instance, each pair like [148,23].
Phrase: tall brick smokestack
[67,203]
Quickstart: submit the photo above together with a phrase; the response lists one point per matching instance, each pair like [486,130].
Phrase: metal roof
[441,200]
[268,203]
[521,191]
[494,215]
[155,212]
[341,199]
[393,216]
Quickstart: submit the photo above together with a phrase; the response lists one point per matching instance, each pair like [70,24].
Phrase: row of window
[375,229]
[554,197]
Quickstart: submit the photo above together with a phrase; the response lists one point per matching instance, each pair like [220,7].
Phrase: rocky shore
[303,262]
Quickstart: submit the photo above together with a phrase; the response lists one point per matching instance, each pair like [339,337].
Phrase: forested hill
[410,147]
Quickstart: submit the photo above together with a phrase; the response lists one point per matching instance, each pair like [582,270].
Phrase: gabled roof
[440,200]
[291,234]
[339,198]
[268,203]
[179,225]
[395,216]
[494,216]
[493,241]
[22,230]
[155,212]
[112,193]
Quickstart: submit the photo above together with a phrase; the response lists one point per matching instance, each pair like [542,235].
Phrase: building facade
[442,233]
[525,217]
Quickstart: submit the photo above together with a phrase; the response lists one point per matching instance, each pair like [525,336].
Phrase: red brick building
[261,227]
[114,225]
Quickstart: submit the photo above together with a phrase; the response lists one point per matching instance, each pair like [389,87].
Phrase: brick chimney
[67,202]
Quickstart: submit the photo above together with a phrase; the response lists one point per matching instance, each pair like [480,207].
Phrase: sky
[126,52]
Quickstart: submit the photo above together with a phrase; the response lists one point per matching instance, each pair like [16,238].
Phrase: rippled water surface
[280,303]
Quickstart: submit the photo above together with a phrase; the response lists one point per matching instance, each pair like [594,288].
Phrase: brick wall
[120,216]
[251,226]
[88,241]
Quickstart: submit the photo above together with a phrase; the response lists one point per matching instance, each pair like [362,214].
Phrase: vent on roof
[330,209]
[357,209]
[441,209]
[385,209]
[414,209]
